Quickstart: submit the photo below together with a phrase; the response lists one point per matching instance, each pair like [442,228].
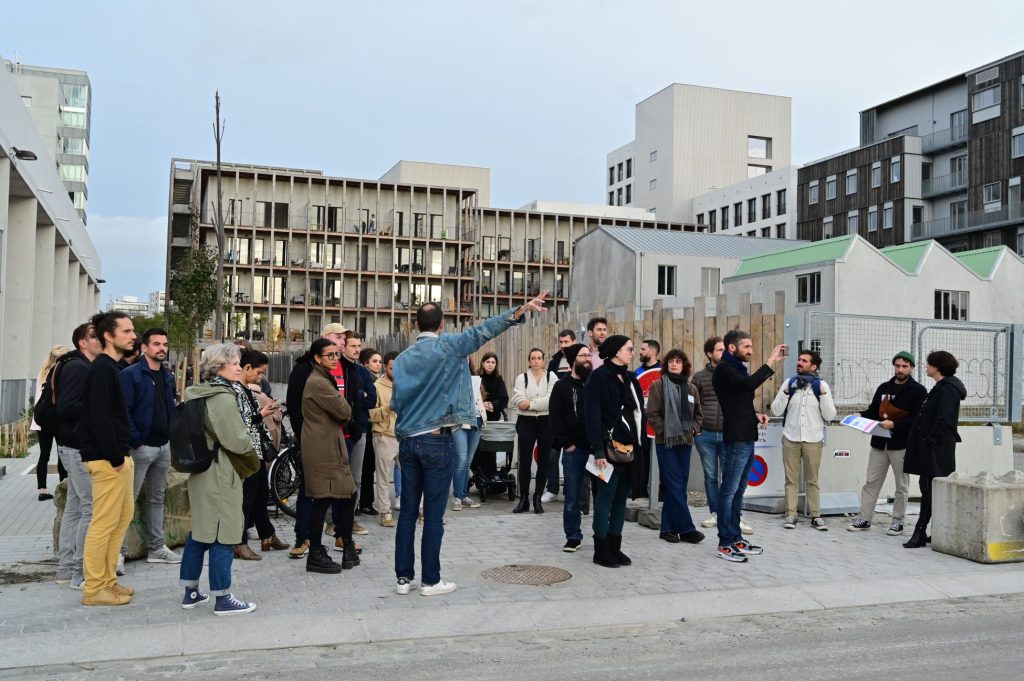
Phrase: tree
[218,219]
[193,293]
[142,322]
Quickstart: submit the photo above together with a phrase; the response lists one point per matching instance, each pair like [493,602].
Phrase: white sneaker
[77,584]
[163,555]
[405,585]
[547,496]
[456,504]
[468,502]
[397,504]
[120,566]
[744,528]
[442,587]
[710,521]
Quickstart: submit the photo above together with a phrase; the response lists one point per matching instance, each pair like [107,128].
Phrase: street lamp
[24,154]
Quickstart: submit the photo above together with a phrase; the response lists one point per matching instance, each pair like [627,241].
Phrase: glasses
[628,349]
[331,355]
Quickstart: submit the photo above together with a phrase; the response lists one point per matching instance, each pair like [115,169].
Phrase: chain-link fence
[857,352]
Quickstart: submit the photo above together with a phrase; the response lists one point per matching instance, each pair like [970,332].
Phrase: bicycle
[285,474]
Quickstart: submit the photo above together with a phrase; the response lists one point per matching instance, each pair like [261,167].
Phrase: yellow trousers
[112,506]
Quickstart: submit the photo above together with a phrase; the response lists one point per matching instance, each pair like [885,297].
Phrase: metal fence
[13,399]
[857,351]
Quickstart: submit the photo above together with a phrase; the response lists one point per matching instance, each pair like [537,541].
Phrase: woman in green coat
[215,495]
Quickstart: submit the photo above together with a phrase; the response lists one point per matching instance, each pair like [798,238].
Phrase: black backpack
[189,453]
[44,411]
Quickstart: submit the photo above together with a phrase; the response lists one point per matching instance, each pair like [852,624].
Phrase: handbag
[617,452]
[890,412]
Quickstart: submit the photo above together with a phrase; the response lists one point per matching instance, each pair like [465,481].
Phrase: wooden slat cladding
[990,146]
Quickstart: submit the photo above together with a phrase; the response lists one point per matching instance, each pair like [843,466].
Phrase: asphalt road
[976,638]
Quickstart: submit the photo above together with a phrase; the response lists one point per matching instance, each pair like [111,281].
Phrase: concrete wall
[604,273]
[624,155]
[741,192]
[929,111]
[443,175]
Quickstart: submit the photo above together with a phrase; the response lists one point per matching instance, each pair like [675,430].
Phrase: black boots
[318,560]
[602,553]
[615,546]
[524,504]
[917,540]
[349,556]
[537,508]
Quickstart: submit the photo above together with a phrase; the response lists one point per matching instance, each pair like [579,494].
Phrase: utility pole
[218,220]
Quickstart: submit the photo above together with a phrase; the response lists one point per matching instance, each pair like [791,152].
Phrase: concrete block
[177,517]
[980,518]
[60,498]
[649,518]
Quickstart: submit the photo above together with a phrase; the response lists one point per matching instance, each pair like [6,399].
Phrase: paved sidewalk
[802,569]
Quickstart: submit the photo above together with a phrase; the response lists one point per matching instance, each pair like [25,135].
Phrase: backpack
[791,386]
[44,411]
[189,453]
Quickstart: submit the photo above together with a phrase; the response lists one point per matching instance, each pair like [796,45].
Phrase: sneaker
[368,510]
[229,605]
[819,524]
[790,522]
[300,549]
[397,504]
[121,589]
[163,555]
[405,585]
[194,598]
[744,528]
[691,537]
[442,587]
[78,584]
[60,581]
[895,530]
[547,496]
[748,549]
[106,597]
[730,554]
[467,502]
[710,521]
[457,504]
[571,545]
[359,529]
[859,525]
[120,566]
[339,545]
[387,520]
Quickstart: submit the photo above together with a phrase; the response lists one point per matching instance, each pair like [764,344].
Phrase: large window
[611,175]
[808,288]
[73,119]
[989,97]
[712,221]
[725,217]
[1018,143]
[830,188]
[780,200]
[766,206]
[629,168]
[72,172]
[887,216]
[759,147]
[737,211]
[629,194]
[666,280]
[951,305]
[812,193]
[958,214]
[873,219]
[751,210]
[853,222]
[895,169]
[76,95]
[992,195]
[73,145]
[754,170]
[851,181]
[876,174]
[827,228]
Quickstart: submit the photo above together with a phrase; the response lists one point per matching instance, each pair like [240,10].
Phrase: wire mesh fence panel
[857,353]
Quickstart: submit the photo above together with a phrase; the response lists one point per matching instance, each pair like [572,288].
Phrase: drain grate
[531,575]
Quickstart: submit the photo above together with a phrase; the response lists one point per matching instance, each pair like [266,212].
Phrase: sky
[538,91]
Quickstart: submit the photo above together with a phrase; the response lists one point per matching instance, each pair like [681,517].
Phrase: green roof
[907,256]
[982,261]
[819,251]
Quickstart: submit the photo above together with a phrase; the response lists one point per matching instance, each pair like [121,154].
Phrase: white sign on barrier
[767,476]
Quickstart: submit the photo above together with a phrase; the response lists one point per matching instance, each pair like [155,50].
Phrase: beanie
[570,353]
[611,346]
[904,355]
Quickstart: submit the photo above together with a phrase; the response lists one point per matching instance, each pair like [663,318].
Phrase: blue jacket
[432,386]
[367,398]
[139,393]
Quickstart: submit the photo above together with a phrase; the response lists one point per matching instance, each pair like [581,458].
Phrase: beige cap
[333,328]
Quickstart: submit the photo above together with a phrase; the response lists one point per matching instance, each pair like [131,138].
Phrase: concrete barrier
[177,517]
[979,517]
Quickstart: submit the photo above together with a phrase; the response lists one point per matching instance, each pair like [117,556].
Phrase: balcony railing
[944,184]
[975,220]
[941,139]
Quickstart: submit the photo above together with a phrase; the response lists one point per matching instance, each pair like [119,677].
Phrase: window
[851,181]
[951,305]
[812,193]
[725,217]
[992,195]
[754,170]
[72,172]
[895,169]
[830,188]
[887,216]
[629,168]
[1018,143]
[489,252]
[958,214]
[611,175]
[618,197]
[780,230]
[710,281]
[986,77]
[751,210]
[26,100]
[72,119]
[808,288]
[992,239]
[958,125]
[737,210]
[653,184]
[700,218]
[873,219]
[78,199]
[666,280]
[73,145]
[853,223]
[620,172]
[629,194]
[876,174]
[1020,242]
[766,232]
[759,147]
[611,198]
[76,95]
[826,228]
[654,156]
[985,104]
[766,206]
[780,201]
[712,221]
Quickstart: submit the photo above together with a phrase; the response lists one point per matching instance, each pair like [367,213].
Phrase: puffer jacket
[709,406]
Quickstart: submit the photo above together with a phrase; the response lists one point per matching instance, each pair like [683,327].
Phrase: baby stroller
[496,436]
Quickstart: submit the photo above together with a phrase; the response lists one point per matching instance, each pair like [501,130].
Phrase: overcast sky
[536,90]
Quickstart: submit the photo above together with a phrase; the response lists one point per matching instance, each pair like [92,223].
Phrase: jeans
[533,430]
[151,466]
[553,461]
[111,512]
[221,556]
[426,462]
[465,441]
[736,463]
[674,464]
[574,464]
[355,461]
[711,449]
[77,516]
[610,503]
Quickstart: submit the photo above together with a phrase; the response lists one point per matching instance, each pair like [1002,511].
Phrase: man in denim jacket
[432,395]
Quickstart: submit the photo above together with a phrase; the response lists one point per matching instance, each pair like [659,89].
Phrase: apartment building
[304,249]
[944,162]
[758,207]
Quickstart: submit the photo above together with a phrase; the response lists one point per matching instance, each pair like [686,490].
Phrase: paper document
[604,474]
[866,425]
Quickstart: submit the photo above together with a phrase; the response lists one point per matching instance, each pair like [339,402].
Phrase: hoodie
[931,445]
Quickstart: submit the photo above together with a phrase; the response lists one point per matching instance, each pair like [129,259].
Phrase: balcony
[944,184]
[944,139]
[971,222]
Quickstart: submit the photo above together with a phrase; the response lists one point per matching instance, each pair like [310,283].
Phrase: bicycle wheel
[285,478]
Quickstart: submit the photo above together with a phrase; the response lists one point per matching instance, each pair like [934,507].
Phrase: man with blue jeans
[433,395]
[734,386]
[569,435]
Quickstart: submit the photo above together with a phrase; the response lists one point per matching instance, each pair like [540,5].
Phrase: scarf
[801,381]
[678,419]
[249,408]
[730,358]
[244,464]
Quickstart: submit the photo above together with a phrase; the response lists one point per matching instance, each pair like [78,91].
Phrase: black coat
[567,414]
[736,398]
[296,384]
[603,409]
[931,445]
[496,393]
[907,397]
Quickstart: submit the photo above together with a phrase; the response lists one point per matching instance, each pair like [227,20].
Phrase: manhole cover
[533,575]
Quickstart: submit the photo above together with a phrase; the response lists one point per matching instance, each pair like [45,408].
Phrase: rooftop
[908,256]
[828,250]
[982,261]
[693,243]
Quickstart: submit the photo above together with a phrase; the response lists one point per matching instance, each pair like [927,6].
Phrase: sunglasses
[331,355]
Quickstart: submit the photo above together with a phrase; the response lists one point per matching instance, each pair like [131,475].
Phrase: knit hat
[570,353]
[906,356]
[611,346]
